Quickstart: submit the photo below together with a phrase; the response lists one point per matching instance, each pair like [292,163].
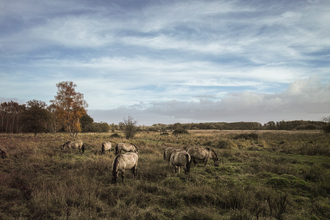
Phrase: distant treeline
[271,125]
[36,117]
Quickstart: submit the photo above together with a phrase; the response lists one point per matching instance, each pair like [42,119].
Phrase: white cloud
[244,106]
[221,57]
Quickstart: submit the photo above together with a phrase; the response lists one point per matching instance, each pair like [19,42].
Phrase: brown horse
[169,151]
[106,146]
[204,154]
[180,159]
[122,162]
[74,145]
[126,147]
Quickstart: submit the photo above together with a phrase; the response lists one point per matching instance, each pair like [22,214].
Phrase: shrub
[307,127]
[180,131]
[115,135]
[226,144]
[252,136]
[326,128]
[278,182]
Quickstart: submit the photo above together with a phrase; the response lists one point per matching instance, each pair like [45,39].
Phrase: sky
[171,61]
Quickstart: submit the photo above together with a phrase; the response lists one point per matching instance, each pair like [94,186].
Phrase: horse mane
[135,147]
[188,163]
[215,154]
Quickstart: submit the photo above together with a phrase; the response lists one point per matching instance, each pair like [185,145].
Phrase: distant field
[262,175]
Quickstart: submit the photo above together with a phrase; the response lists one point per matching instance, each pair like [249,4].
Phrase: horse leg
[179,169]
[134,171]
[122,176]
[205,162]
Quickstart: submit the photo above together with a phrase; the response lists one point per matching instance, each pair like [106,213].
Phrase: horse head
[215,159]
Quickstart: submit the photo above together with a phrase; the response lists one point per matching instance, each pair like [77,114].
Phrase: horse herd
[176,157]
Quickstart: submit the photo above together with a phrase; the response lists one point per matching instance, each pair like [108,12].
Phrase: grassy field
[262,175]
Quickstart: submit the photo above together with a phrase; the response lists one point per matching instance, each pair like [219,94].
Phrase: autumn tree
[52,122]
[35,117]
[70,106]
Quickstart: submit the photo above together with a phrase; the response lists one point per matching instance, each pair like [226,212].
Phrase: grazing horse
[3,154]
[122,162]
[169,151]
[74,145]
[204,154]
[180,159]
[106,146]
[126,147]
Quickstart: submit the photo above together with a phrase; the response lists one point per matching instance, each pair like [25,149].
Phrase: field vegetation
[262,175]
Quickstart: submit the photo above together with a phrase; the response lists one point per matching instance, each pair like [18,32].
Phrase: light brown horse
[204,154]
[106,146]
[180,159]
[122,162]
[74,145]
[169,151]
[126,147]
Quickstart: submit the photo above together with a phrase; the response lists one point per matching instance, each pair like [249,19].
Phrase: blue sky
[171,61]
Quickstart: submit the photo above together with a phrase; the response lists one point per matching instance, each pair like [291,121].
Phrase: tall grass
[274,176]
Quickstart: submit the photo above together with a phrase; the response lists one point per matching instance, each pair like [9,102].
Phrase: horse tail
[115,165]
[83,148]
[188,163]
[165,154]
[103,148]
[117,149]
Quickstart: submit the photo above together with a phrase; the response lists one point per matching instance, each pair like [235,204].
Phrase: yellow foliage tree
[70,106]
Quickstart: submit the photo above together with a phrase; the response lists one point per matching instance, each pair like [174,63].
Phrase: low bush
[180,131]
[115,135]
[251,136]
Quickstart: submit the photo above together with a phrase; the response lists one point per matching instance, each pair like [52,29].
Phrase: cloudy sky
[171,61]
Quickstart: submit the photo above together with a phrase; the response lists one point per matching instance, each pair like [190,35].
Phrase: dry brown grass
[279,175]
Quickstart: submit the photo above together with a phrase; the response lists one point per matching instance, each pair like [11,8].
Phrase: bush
[180,131]
[252,136]
[115,135]
[307,127]
[326,128]
[226,144]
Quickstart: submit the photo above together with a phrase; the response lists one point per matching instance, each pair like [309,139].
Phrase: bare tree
[130,127]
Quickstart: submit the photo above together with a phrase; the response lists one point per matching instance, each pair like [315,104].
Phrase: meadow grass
[262,175]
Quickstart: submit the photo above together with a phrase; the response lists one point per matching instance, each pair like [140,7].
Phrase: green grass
[275,176]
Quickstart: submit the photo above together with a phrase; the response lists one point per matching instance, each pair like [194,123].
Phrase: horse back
[198,153]
[180,158]
[169,151]
[126,161]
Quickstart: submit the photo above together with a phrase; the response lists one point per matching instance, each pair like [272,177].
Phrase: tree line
[271,125]
[66,113]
